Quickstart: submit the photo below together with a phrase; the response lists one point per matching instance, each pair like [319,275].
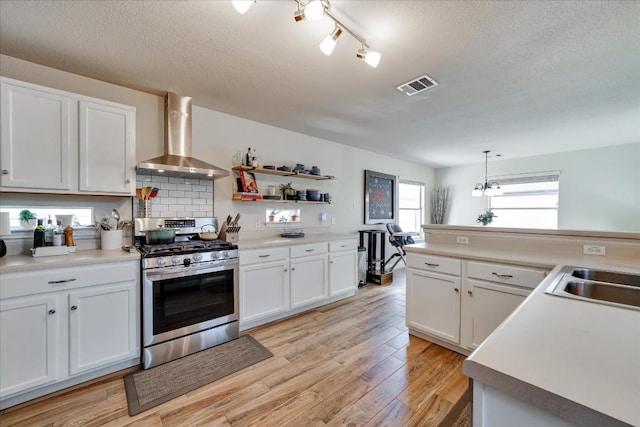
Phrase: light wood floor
[348,363]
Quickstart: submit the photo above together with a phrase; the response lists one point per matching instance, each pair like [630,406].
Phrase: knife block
[228,236]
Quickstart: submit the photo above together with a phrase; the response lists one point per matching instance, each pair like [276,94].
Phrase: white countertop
[567,356]
[275,241]
[13,263]
[530,258]
[584,352]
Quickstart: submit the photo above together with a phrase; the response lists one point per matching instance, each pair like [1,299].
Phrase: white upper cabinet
[107,148]
[59,142]
[36,139]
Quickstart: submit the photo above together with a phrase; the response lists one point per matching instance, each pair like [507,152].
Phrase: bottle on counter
[48,233]
[58,234]
[248,159]
[38,235]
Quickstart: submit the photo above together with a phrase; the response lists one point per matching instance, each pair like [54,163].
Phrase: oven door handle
[154,276]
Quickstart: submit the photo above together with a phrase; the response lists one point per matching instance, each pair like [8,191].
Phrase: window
[82,217]
[410,205]
[527,202]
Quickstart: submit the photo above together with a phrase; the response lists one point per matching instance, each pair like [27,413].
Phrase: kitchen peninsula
[552,359]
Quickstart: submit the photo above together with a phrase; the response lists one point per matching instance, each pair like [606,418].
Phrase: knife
[228,219]
[236,219]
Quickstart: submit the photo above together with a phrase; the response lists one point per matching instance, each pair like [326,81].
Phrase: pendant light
[329,43]
[241,6]
[488,188]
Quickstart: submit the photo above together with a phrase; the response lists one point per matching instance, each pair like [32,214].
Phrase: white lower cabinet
[66,324]
[30,336]
[433,296]
[264,290]
[102,322]
[460,302]
[281,281]
[343,267]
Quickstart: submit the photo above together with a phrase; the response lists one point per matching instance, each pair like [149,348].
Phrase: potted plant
[272,215]
[486,217]
[288,192]
[27,218]
[294,217]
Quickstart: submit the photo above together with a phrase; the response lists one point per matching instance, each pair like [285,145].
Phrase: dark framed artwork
[379,198]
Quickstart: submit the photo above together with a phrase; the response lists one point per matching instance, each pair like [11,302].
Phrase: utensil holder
[110,239]
[144,207]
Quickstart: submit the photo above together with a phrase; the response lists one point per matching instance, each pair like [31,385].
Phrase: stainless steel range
[189,290]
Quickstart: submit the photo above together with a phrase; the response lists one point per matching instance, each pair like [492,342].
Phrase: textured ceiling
[518,77]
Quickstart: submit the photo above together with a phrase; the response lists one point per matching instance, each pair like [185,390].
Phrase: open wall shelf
[283,173]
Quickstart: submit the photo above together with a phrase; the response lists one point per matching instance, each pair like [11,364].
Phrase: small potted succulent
[272,215]
[27,218]
[486,217]
[288,192]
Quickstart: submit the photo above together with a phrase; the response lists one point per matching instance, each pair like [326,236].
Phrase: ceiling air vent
[417,85]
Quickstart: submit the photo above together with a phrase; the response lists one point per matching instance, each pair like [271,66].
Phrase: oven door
[183,300]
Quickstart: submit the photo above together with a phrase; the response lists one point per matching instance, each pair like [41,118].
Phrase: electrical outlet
[333,221]
[464,240]
[594,250]
[258,223]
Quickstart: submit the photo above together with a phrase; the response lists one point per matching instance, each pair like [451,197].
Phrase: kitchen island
[553,361]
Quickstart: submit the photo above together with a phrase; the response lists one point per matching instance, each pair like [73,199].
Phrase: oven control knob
[176,260]
[160,262]
[197,257]
[225,254]
[187,262]
[213,256]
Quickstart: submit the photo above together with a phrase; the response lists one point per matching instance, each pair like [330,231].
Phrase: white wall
[599,188]
[217,137]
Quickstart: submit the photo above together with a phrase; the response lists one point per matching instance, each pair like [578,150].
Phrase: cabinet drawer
[63,278]
[522,276]
[343,245]
[298,251]
[254,256]
[434,263]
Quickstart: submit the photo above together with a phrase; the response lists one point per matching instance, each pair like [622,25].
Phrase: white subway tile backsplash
[179,197]
[168,186]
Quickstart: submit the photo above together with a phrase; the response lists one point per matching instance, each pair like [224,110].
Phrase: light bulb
[329,43]
[242,5]
[477,191]
[489,191]
[314,10]
[372,58]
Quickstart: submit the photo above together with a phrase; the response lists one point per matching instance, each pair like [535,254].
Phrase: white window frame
[409,181]
[535,177]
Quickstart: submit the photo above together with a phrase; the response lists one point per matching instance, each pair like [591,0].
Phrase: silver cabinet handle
[264,256]
[55,282]
[428,264]
[456,289]
[74,307]
[5,172]
[127,181]
[504,276]
[309,250]
[293,269]
[470,292]
[330,262]
[285,270]
[52,311]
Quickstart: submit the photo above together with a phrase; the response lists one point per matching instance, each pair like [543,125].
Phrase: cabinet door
[343,272]
[29,336]
[489,304]
[308,280]
[107,149]
[103,326]
[264,290]
[35,139]
[433,304]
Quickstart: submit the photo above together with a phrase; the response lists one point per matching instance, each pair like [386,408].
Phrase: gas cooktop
[191,246]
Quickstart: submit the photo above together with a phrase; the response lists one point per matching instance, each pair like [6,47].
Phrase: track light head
[369,56]
[298,15]
[329,43]
[242,5]
[314,10]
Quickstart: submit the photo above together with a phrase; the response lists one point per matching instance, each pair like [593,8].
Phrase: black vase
[3,248]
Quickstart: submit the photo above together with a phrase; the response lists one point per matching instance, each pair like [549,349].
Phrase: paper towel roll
[5,224]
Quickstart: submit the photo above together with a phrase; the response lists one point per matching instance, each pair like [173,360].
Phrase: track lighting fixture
[488,188]
[242,5]
[329,43]
[312,10]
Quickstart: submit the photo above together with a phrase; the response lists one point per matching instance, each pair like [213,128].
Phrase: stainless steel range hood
[177,160]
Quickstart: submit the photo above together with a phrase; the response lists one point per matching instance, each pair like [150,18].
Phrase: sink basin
[607,276]
[599,286]
[604,292]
